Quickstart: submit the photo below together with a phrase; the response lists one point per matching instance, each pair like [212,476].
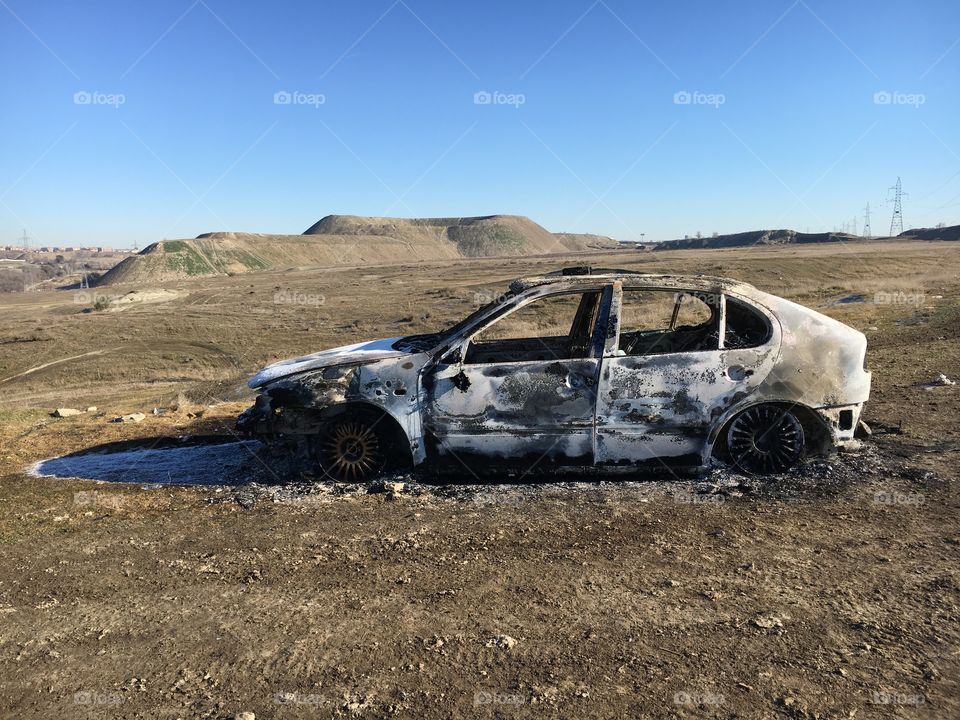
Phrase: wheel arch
[816,432]
[399,443]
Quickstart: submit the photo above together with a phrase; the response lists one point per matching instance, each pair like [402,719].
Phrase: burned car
[583,368]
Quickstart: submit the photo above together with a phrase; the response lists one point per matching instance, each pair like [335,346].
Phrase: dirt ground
[830,593]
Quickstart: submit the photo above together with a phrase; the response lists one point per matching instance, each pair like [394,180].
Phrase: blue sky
[133,121]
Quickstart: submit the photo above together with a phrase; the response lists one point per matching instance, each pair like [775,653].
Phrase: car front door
[522,388]
[667,378]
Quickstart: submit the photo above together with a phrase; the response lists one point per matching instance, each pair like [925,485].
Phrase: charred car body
[582,368]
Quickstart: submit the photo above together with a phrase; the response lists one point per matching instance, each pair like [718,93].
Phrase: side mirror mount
[453,357]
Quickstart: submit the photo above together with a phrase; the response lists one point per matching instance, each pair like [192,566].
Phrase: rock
[767,622]
[131,418]
[502,641]
[66,412]
[671,583]
[942,381]
[92,409]
[391,487]
[245,715]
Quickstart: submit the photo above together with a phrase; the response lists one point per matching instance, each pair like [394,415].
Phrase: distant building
[46,249]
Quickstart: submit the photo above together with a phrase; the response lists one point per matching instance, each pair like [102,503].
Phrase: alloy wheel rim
[352,450]
[765,439]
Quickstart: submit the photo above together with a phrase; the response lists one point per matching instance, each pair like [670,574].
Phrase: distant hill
[349,240]
[756,237]
[951,232]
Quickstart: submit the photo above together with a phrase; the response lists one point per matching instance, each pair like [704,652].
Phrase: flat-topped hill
[349,240]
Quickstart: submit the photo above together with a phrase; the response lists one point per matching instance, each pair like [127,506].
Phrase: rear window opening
[746,327]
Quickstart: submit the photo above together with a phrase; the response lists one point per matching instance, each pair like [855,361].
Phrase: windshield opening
[428,341]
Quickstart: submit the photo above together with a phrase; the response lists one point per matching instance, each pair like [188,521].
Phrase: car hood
[358,354]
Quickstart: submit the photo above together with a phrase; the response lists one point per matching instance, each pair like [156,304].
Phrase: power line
[866,221]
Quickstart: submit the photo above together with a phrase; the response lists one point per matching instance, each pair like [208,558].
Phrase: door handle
[575,380]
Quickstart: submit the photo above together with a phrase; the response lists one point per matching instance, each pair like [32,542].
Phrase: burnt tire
[765,439]
[352,448]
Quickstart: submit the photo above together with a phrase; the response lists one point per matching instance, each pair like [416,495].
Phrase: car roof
[587,277]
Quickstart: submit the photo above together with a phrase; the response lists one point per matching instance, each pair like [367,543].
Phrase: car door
[522,386]
[667,377]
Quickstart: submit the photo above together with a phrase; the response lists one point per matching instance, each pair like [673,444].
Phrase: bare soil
[828,593]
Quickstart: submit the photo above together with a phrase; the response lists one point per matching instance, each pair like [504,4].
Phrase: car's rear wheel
[353,448]
[765,439]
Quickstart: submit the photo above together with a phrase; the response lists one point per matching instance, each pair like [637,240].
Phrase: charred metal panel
[665,405]
[822,360]
[508,410]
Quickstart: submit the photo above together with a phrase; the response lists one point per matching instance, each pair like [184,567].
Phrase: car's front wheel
[353,448]
[765,439]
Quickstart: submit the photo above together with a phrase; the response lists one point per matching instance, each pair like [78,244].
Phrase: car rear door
[665,378]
